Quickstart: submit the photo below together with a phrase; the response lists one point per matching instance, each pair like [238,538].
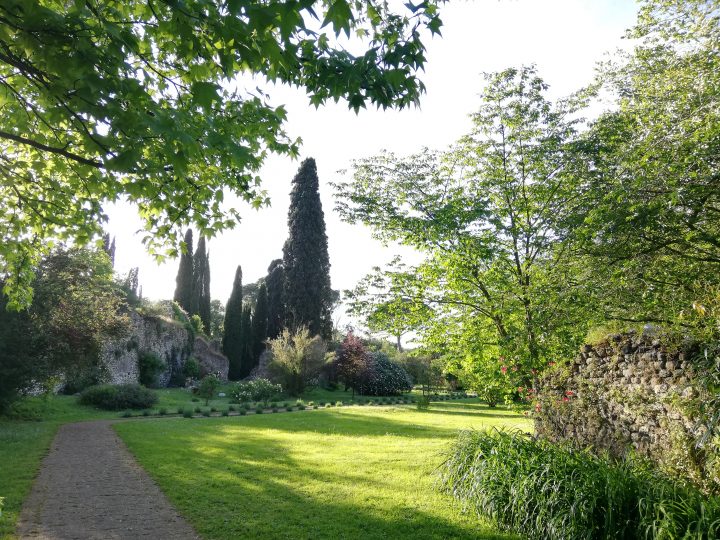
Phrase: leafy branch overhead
[141,101]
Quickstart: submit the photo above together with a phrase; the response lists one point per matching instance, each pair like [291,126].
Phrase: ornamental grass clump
[543,490]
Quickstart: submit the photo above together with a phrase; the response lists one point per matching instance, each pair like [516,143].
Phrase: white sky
[565,38]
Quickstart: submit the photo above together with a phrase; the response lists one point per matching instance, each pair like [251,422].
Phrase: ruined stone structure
[633,391]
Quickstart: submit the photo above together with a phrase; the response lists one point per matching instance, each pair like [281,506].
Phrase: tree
[247,358]
[217,319]
[297,359]
[232,334]
[260,322]
[308,295]
[105,101]
[351,362]
[648,210]
[275,282]
[201,284]
[497,275]
[109,247]
[185,278]
[130,286]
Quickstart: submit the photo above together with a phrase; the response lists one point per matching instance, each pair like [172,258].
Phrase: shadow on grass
[302,476]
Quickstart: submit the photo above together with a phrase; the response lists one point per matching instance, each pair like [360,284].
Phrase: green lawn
[352,472]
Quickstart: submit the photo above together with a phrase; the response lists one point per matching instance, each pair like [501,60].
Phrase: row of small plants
[277,406]
[544,490]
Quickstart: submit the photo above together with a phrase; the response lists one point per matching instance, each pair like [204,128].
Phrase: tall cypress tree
[260,323]
[247,361]
[201,285]
[308,296]
[184,281]
[275,282]
[232,336]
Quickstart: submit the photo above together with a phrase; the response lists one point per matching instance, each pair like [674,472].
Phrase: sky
[564,38]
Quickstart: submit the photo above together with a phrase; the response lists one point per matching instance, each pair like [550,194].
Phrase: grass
[349,472]
[24,443]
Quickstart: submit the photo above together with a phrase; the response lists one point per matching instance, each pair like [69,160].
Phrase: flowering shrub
[383,377]
[254,390]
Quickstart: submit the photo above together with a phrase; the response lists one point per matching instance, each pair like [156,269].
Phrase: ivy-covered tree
[308,295]
[105,101]
[260,322]
[232,343]
[201,285]
[275,282]
[184,282]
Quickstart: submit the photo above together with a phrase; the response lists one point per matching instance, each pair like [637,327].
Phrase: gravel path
[90,486]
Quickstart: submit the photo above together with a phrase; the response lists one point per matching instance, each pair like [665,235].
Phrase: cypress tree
[247,361]
[184,281]
[201,285]
[260,323]
[275,282]
[232,336]
[308,295]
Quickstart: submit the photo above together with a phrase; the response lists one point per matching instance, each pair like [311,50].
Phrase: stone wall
[210,359]
[632,391]
[159,335]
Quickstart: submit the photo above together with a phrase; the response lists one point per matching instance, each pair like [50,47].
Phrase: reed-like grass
[555,491]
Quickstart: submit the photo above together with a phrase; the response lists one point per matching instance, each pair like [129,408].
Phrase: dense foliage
[116,397]
[306,263]
[546,491]
[351,362]
[208,387]
[201,285]
[76,307]
[150,366]
[260,322]
[105,101]
[255,390]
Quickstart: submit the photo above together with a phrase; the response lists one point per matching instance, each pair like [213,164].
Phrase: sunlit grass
[351,472]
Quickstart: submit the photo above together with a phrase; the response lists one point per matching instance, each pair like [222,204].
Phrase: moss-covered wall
[640,392]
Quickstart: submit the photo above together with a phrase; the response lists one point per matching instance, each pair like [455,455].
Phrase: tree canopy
[140,101]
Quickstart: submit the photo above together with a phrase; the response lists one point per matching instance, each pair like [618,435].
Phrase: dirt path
[90,486]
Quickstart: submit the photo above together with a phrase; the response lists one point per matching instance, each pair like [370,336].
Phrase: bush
[225,412]
[149,369]
[384,377]
[191,369]
[118,397]
[254,390]
[297,359]
[187,413]
[423,403]
[544,490]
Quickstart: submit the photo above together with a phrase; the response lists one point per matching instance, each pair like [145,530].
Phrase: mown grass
[350,472]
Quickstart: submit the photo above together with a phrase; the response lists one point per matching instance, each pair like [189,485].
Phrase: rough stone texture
[631,391]
[211,360]
[89,486]
[160,335]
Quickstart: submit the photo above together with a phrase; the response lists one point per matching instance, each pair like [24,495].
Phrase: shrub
[126,414]
[198,410]
[208,387]
[213,409]
[254,390]
[243,412]
[423,403]
[225,412]
[384,377]
[191,369]
[544,490]
[259,410]
[146,413]
[118,397]
[289,408]
[206,412]
[187,413]
[231,408]
[339,404]
[297,359]
[150,366]
[162,411]
[328,405]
